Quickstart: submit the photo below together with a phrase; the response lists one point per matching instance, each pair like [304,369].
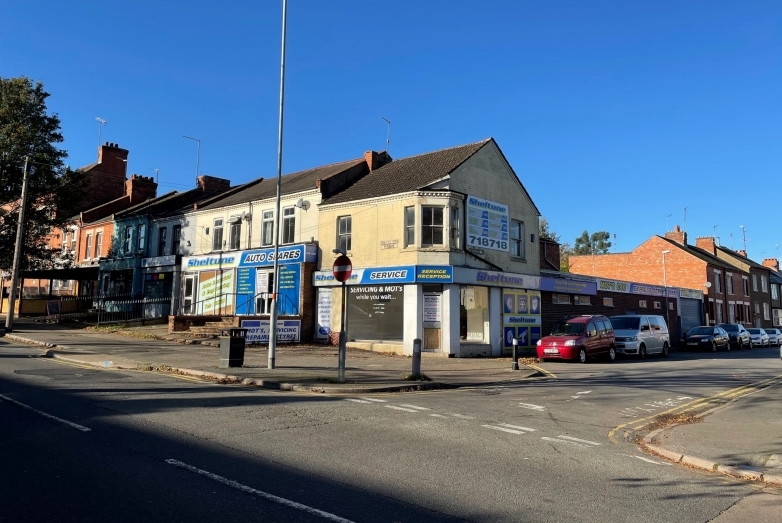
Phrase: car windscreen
[565,328]
[625,323]
[730,327]
[753,331]
[700,331]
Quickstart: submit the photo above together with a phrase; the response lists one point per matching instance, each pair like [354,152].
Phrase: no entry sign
[342,268]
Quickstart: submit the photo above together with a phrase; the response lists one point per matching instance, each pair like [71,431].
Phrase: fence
[112,310]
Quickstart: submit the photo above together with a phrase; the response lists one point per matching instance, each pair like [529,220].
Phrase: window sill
[517,259]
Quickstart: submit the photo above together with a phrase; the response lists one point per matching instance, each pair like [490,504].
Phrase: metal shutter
[690,313]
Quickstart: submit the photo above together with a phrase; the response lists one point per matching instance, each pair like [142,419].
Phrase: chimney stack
[213,183]
[706,243]
[371,159]
[677,235]
[140,188]
[771,263]
[113,159]
[742,252]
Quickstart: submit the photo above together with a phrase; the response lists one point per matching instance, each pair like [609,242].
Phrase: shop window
[608,302]
[642,304]
[88,247]
[99,245]
[376,316]
[235,237]
[409,226]
[517,239]
[263,289]
[161,241]
[582,300]
[456,230]
[217,235]
[344,233]
[176,233]
[142,237]
[431,226]
[474,313]
[560,298]
[267,229]
[288,224]
[128,239]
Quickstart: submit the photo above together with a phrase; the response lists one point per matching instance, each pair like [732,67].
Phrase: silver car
[774,336]
[759,337]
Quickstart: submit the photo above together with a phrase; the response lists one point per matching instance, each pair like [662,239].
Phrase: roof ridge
[322,166]
[485,140]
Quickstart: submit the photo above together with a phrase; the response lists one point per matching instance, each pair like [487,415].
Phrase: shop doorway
[187,297]
[432,317]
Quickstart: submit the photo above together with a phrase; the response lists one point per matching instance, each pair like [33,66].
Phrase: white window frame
[456,229]
[766,311]
[98,244]
[129,240]
[731,312]
[718,311]
[763,283]
[745,285]
[72,246]
[717,281]
[754,283]
[267,225]
[432,228]
[176,238]
[517,226]
[729,283]
[657,305]
[608,302]
[642,304]
[142,237]
[288,225]
[88,247]
[345,232]
[217,242]
[409,222]
[774,291]
[235,236]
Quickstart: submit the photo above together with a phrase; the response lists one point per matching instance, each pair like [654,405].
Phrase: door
[646,336]
[431,320]
[593,340]
[187,297]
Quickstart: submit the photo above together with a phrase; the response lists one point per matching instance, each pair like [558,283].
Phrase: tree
[565,250]
[545,233]
[53,189]
[597,243]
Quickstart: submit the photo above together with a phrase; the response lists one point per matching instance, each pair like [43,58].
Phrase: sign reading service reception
[487,224]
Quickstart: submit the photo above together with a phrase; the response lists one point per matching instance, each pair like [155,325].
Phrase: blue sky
[613,114]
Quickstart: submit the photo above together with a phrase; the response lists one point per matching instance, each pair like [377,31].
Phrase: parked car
[759,337]
[708,338]
[641,334]
[739,337]
[579,338]
[774,336]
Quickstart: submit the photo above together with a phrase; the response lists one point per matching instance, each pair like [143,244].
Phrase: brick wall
[549,255]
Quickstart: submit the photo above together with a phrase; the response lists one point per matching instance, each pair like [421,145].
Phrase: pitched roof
[147,207]
[291,183]
[408,174]
[743,259]
[699,253]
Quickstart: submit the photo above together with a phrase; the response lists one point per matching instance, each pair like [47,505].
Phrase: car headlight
[540,342]
[570,343]
[632,338]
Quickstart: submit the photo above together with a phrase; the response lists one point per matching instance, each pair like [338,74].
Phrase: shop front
[453,310]
[121,277]
[160,285]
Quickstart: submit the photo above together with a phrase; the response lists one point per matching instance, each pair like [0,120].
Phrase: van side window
[655,326]
[645,324]
[591,329]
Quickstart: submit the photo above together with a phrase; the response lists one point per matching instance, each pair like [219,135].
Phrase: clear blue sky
[613,114]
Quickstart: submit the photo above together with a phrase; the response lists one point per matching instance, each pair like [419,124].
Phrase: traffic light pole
[9,318]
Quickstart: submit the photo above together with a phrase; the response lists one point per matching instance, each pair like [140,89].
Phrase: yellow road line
[79,365]
[730,393]
[542,370]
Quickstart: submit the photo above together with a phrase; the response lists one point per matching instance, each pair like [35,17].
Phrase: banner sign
[288,254]
[487,224]
[211,261]
[434,273]
[324,314]
[690,293]
[568,286]
[635,288]
[288,331]
[521,318]
[376,275]
[494,278]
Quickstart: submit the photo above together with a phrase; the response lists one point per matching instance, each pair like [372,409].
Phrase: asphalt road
[533,452]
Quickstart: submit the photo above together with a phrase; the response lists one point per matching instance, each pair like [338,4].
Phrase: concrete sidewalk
[300,367]
[741,439]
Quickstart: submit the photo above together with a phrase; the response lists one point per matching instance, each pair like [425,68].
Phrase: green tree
[545,233]
[565,251]
[597,243]
[53,189]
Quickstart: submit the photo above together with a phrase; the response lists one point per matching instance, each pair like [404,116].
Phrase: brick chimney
[140,188]
[742,253]
[113,159]
[771,263]
[371,159]
[677,235]
[706,243]
[213,183]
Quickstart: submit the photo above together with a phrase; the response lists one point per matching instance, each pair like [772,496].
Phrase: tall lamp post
[665,285]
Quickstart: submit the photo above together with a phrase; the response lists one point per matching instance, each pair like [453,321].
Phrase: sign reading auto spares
[265,257]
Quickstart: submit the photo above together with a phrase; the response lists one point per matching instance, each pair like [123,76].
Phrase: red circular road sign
[342,268]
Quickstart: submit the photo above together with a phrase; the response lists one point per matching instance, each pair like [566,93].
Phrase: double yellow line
[731,393]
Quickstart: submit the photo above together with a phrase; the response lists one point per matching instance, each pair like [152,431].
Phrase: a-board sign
[53,308]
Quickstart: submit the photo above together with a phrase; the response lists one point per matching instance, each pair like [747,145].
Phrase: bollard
[416,357]
[515,365]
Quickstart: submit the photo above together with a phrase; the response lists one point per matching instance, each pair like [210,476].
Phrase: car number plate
[551,351]
[692,343]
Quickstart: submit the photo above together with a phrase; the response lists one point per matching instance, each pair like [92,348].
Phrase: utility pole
[276,282]
[9,318]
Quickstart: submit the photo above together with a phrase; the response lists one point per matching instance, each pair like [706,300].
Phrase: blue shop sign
[265,257]
[403,274]
[434,273]
[568,286]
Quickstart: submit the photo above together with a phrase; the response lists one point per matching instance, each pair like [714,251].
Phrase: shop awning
[73,273]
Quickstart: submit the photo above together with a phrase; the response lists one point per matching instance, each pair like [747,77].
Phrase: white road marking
[462,416]
[555,440]
[414,407]
[271,497]
[503,429]
[45,415]
[653,462]
[357,401]
[515,427]
[375,400]
[584,392]
[400,408]
[532,407]
[438,415]
[579,440]
[580,394]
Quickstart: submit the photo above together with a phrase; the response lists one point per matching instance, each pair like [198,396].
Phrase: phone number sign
[487,224]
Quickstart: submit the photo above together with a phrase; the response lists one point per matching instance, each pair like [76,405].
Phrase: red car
[579,338]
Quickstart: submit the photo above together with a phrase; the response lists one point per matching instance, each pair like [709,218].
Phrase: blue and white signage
[434,273]
[487,224]
[210,261]
[402,274]
[288,331]
[495,278]
[265,257]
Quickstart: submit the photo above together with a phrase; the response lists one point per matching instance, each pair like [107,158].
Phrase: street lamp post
[665,285]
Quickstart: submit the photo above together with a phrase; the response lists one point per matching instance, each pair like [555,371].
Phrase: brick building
[776,291]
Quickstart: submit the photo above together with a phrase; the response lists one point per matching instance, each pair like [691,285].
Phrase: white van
[641,334]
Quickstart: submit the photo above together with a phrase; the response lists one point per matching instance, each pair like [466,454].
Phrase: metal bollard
[416,357]
[515,365]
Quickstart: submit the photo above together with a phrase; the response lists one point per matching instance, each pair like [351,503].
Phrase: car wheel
[642,351]
[713,346]
[666,350]
[727,346]
[582,355]
[611,353]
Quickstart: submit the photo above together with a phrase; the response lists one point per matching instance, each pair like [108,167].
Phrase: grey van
[641,334]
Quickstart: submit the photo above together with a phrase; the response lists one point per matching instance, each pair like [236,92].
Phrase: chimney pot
[677,235]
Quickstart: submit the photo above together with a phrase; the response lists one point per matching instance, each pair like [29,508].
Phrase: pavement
[301,368]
